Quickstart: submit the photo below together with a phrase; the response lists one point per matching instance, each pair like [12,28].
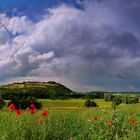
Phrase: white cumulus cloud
[87,47]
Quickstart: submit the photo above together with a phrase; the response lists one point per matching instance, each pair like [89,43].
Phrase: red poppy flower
[132,121]
[44,113]
[33,111]
[32,106]
[110,123]
[18,112]
[12,107]
[28,109]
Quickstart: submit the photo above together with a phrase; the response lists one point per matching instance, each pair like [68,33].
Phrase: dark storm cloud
[94,48]
[128,11]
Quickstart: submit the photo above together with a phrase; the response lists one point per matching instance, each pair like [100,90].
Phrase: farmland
[69,120]
[27,116]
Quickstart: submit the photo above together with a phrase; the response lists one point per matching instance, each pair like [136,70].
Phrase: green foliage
[36,89]
[116,101]
[94,95]
[90,103]
[77,95]
[23,103]
[85,124]
[2,103]
[108,97]
[131,100]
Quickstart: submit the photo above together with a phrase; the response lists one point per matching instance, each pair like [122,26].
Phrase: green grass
[71,105]
[69,120]
[63,103]
[76,103]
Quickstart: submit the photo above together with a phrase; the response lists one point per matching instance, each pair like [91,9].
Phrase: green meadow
[70,120]
[78,104]
[71,105]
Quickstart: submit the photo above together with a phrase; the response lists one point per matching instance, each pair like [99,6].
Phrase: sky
[83,44]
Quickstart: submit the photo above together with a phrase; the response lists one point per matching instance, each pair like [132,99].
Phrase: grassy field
[78,104]
[69,120]
[73,103]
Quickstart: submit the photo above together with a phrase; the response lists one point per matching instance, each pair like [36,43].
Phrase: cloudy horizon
[84,44]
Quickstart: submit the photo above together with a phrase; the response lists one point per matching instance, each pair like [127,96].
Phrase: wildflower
[33,111]
[111,123]
[44,113]
[132,121]
[12,107]
[18,112]
[32,106]
[28,109]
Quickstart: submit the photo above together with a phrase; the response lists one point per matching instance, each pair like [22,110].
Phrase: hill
[49,89]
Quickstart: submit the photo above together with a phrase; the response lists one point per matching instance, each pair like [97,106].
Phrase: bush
[90,103]
[108,97]
[23,103]
[2,103]
[131,100]
[116,101]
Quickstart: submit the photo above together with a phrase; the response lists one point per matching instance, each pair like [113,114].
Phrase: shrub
[23,103]
[90,103]
[131,100]
[116,101]
[108,97]
[2,103]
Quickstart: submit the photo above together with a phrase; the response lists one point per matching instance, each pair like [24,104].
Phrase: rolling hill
[49,89]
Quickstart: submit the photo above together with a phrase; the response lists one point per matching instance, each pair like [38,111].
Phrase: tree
[116,101]
[108,97]
[90,103]
[131,100]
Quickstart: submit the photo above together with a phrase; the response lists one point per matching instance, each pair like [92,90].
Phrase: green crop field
[77,104]
[71,104]
[69,120]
